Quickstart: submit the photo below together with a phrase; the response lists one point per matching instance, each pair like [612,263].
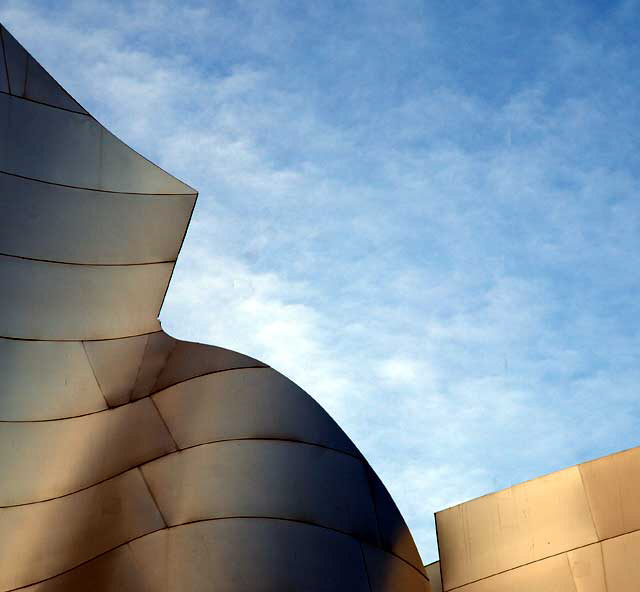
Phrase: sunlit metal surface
[130,460]
[576,530]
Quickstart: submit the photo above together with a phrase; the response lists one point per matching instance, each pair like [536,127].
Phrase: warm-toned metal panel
[250,403]
[613,489]
[622,562]
[73,149]
[42,540]
[115,571]
[58,301]
[390,574]
[115,363]
[264,478]
[55,223]
[433,573]
[159,347]
[394,533]
[43,460]
[257,555]
[29,79]
[549,575]
[151,554]
[587,568]
[512,527]
[46,380]
[195,359]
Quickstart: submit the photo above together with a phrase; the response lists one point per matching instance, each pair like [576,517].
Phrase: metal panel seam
[133,193]
[86,354]
[4,56]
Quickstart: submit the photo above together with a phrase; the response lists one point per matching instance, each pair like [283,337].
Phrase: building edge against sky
[133,461]
[574,530]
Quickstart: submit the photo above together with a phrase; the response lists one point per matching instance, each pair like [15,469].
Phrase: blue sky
[425,213]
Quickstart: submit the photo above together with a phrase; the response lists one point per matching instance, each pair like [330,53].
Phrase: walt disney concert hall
[131,461]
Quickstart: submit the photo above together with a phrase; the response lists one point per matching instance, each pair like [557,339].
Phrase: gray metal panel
[4,83]
[30,80]
[42,540]
[159,347]
[189,359]
[249,403]
[73,149]
[264,478]
[395,536]
[16,59]
[47,459]
[46,380]
[58,301]
[390,574]
[115,363]
[257,555]
[43,88]
[44,221]
[115,571]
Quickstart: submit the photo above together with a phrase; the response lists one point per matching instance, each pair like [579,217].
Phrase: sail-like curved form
[131,461]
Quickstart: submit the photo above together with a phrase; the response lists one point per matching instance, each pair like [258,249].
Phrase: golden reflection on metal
[268,493]
[577,530]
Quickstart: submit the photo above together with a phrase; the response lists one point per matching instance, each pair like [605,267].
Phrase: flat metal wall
[576,530]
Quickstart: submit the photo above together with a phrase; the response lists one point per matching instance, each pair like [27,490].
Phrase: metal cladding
[130,460]
[576,530]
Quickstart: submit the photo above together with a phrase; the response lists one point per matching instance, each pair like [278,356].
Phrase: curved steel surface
[130,460]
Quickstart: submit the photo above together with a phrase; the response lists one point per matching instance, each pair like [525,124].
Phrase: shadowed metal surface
[130,460]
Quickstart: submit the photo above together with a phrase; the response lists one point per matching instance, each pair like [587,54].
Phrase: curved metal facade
[132,461]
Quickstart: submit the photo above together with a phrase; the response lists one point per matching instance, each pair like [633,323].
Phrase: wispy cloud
[426,217]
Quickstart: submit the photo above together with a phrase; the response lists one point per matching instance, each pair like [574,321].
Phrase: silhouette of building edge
[133,461]
[130,460]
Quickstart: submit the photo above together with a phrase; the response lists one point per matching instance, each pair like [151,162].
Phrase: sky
[427,214]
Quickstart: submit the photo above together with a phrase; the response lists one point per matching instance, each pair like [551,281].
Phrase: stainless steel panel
[549,575]
[612,484]
[4,83]
[42,540]
[73,149]
[151,554]
[587,568]
[622,562]
[250,403]
[43,460]
[30,80]
[256,555]
[159,347]
[512,527]
[115,363]
[188,360]
[46,380]
[435,579]
[115,571]
[394,533]
[16,60]
[57,301]
[264,478]
[390,574]
[45,221]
